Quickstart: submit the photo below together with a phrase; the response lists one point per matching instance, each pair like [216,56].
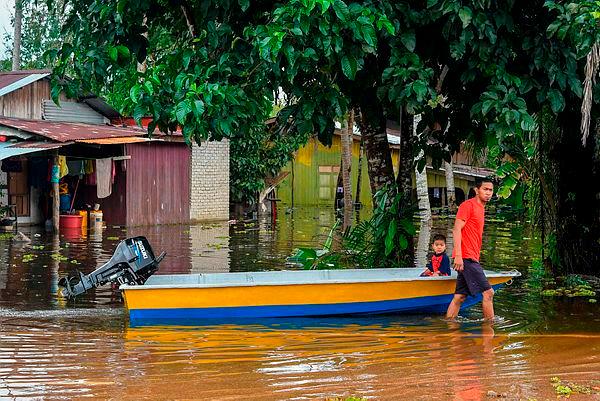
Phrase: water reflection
[51,349]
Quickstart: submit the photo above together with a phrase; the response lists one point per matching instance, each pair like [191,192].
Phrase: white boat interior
[292,277]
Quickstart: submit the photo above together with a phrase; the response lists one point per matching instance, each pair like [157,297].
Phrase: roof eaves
[22,82]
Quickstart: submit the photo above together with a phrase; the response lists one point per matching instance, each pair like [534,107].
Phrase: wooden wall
[27,101]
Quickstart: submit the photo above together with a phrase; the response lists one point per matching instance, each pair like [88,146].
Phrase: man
[468,233]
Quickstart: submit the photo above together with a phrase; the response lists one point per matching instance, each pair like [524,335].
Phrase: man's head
[484,189]
[439,243]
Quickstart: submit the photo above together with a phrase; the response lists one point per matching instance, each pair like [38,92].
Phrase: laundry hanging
[62,165]
[104,172]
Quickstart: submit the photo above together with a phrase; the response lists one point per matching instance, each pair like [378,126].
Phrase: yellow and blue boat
[303,293]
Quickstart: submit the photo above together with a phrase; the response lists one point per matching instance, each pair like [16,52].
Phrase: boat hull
[172,302]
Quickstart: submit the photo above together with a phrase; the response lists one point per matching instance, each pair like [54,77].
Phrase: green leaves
[556,99]
[341,10]
[409,40]
[182,110]
[465,14]
[389,238]
[349,66]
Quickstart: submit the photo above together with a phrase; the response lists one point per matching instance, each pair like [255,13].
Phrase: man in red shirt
[468,233]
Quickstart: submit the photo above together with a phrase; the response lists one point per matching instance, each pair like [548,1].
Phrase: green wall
[315,171]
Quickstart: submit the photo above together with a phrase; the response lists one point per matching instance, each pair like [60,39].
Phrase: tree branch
[189,20]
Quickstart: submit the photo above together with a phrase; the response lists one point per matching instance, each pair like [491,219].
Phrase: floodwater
[51,349]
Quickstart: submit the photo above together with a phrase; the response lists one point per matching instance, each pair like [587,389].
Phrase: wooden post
[55,177]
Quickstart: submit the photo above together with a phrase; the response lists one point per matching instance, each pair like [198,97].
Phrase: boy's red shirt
[473,214]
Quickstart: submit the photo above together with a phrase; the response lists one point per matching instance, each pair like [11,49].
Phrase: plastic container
[70,221]
[96,219]
[65,202]
[84,218]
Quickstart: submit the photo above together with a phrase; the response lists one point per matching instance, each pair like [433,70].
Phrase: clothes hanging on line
[104,177]
[62,165]
[75,167]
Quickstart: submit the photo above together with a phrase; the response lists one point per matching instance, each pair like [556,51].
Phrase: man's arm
[457,234]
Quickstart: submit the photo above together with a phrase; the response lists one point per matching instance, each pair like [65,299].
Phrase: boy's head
[439,243]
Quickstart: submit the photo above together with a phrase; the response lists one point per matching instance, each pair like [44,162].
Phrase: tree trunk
[16,59]
[361,151]
[406,166]
[422,191]
[373,129]
[421,181]
[406,160]
[423,242]
[347,141]
[450,188]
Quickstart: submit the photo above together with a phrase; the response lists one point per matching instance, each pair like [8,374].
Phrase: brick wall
[209,189]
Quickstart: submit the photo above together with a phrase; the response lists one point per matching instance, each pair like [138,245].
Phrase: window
[328,176]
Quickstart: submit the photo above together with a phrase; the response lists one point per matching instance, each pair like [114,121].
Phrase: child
[439,265]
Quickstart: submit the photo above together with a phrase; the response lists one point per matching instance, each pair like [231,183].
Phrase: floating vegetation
[216,246]
[58,257]
[570,286]
[28,257]
[566,389]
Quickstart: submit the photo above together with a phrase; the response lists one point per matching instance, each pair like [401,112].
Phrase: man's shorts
[472,280]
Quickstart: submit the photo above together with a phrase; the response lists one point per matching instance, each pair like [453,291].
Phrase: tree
[450,188]
[36,30]
[16,60]
[216,70]
[347,141]
[422,186]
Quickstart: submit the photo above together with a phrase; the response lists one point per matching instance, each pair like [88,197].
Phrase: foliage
[381,241]
[212,68]
[566,389]
[40,31]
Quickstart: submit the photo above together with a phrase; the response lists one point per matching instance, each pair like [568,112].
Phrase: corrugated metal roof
[8,149]
[64,132]
[71,112]
[114,141]
[40,145]
[13,80]
[101,107]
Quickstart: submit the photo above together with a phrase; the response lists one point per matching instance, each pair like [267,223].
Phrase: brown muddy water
[51,349]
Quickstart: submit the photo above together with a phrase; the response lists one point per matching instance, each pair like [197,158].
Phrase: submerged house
[135,180]
[313,174]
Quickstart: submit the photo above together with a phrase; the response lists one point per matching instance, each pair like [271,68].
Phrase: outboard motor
[132,263]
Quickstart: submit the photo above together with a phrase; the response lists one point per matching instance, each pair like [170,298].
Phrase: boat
[302,293]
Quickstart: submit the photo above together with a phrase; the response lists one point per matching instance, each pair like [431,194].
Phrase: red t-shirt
[472,213]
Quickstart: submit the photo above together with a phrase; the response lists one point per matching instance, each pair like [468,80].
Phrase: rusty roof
[65,132]
[39,145]
[13,80]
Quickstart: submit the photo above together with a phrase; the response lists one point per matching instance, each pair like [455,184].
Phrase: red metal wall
[158,183]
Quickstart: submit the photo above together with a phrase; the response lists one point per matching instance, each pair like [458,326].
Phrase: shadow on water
[53,349]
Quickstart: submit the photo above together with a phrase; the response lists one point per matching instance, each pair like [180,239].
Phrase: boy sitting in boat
[439,264]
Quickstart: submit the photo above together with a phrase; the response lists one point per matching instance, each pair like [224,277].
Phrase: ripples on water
[51,350]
